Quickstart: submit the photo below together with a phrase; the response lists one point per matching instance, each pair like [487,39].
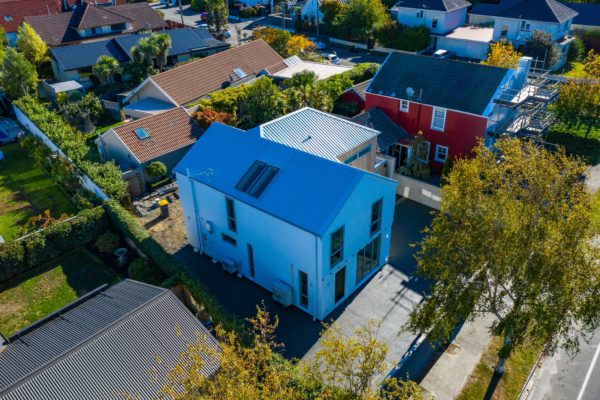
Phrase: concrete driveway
[387,298]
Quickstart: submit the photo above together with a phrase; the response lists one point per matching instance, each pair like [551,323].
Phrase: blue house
[309,229]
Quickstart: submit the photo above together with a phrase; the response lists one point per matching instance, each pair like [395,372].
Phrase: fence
[416,190]
[363,46]
[87,183]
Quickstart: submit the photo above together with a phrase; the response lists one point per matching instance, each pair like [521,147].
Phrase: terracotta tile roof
[169,131]
[196,79]
[58,29]
[16,10]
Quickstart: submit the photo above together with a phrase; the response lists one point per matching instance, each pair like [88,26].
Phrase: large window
[376,209]
[229,206]
[404,105]
[303,282]
[441,153]
[438,119]
[337,247]
[367,259]
[362,152]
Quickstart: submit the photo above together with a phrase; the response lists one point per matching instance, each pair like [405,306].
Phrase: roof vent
[141,133]
[307,139]
[410,92]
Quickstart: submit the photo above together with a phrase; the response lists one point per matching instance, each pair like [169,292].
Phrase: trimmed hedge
[18,256]
[128,226]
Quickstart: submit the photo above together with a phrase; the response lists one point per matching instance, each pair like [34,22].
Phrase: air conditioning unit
[229,265]
[282,293]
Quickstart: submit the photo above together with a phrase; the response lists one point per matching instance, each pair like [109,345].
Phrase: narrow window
[368,259]
[376,209]
[438,119]
[303,282]
[434,23]
[337,247]
[230,214]
[504,31]
[441,153]
[251,259]
[422,153]
[229,239]
[404,105]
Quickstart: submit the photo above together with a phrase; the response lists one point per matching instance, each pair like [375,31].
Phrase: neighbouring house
[89,22]
[355,95]
[515,20]
[114,342]
[164,137]
[295,65]
[53,90]
[75,62]
[440,16]
[12,13]
[324,226]
[324,135]
[453,103]
[588,16]
[188,83]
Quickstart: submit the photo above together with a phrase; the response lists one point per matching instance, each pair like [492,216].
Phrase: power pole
[181,12]
[318,18]
[283,4]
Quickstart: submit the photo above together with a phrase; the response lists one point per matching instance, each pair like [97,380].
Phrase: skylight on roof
[141,133]
[241,74]
[257,178]
[8,18]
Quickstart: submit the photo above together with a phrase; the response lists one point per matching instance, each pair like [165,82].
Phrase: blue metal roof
[183,41]
[316,132]
[307,191]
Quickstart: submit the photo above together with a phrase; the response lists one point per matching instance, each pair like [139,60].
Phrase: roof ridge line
[164,292]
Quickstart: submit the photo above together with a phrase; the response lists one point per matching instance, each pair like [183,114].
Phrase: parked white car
[332,58]
[441,53]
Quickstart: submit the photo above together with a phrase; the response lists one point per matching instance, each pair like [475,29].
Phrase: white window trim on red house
[433,118]
[436,157]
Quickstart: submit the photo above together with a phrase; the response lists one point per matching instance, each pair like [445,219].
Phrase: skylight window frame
[141,133]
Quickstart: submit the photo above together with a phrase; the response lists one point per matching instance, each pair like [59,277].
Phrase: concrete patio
[388,297]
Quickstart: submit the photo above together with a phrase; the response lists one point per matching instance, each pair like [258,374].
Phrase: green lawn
[103,126]
[596,212]
[576,143]
[573,70]
[26,191]
[26,299]
[516,371]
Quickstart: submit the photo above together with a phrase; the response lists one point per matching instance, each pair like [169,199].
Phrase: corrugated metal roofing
[439,82]
[307,191]
[316,132]
[123,340]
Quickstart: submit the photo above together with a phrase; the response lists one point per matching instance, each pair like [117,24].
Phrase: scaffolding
[524,112]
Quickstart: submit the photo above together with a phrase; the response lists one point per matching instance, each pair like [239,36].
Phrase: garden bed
[43,290]
[26,190]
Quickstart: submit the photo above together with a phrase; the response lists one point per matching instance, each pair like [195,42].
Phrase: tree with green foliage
[31,45]
[156,169]
[18,76]
[218,15]
[89,106]
[542,47]
[3,40]
[306,91]
[263,103]
[106,67]
[502,54]
[361,19]
[513,238]
[417,164]
[276,38]
[162,43]
[331,9]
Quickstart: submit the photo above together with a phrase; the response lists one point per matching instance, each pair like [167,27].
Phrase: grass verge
[574,69]
[516,371]
[43,290]
[577,142]
[26,190]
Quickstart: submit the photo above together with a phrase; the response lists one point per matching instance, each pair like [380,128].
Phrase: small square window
[404,105]
[438,119]
[441,153]
[420,14]
[229,239]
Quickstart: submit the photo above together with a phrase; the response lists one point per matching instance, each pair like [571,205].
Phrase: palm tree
[162,44]
[146,49]
[105,68]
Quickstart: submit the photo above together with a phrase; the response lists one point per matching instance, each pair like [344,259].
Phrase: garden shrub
[12,256]
[156,169]
[107,242]
[128,226]
[144,271]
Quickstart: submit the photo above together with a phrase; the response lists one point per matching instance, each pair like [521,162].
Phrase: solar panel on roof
[141,133]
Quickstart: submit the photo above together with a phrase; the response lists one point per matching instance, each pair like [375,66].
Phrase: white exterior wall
[447,21]
[356,219]
[280,249]
[464,48]
[149,90]
[518,37]
[111,147]
[61,75]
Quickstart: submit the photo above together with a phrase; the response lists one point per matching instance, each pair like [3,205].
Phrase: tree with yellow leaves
[502,54]
[299,44]
[31,45]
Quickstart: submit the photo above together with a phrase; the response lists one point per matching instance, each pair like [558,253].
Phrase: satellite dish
[410,91]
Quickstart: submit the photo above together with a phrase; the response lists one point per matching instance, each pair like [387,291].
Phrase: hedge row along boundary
[18,256]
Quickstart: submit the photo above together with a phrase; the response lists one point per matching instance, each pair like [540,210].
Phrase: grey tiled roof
[438,5]
[457,85]
[316,132]
[360,88]
[123,339]
[391,132]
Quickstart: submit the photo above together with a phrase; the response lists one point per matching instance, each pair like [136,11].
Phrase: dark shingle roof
[88,16]
[589,14]
[534,10]
[391,132]
[456,85]
[438,5]
[183,41]
[116,340]
[62,28]
[360,88]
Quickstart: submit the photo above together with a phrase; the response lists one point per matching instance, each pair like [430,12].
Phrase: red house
[356,95]
[451,102]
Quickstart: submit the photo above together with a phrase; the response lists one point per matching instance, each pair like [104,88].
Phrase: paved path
[563,377]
